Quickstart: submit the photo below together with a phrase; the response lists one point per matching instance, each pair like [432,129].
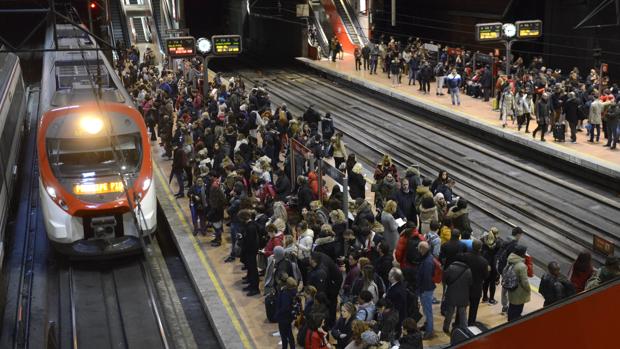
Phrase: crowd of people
[364,281]
[529,92]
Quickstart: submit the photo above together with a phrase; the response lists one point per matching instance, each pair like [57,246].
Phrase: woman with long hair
[581,271]
[357,328]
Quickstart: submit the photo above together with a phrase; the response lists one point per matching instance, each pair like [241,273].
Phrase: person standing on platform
[571,109]
[440,75]
[366,57]
[502,260]
[357,53]
[285,303]
[518,296]
[405,200]
[479,267]
[414,65]
[491,245]
[395,71]
[486,81]
[458,279]
[426,73]
[374,59]
[613,121]
[426,286]
[249,249]
[454,84]
[507,106]
[554,286]
[543,116]
[595,117]
[525,105]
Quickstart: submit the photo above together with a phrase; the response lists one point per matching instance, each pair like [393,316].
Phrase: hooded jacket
[522,293]
[458,280]
[460,219]
[304,244]
[422,192]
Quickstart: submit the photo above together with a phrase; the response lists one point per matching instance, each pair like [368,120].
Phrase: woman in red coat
[316,337]
[581,271]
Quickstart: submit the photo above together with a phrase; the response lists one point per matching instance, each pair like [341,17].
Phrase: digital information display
[489,31]
[226,45]
[529,29]
[98,188]
[181,47]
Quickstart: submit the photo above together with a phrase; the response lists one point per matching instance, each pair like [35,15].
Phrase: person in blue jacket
[454,84]
[285,307]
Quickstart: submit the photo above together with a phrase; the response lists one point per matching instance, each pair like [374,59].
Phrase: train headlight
[91,124]
[146,184]
[51,191]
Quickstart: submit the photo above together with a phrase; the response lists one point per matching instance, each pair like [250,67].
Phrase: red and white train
[96,176]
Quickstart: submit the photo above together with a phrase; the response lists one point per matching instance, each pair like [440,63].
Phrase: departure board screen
[488,31]
[529,29]
[226,45]
[181,47]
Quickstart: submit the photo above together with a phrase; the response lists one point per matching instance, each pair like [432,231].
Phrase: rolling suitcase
[559,130]
[460,335]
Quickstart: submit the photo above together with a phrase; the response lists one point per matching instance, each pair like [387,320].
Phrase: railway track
[559,216]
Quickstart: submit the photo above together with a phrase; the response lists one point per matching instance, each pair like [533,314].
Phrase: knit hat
[439,196]
[278,253]
[370,338]
[520,250]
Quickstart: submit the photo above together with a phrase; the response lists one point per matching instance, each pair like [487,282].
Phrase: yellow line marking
[205,263]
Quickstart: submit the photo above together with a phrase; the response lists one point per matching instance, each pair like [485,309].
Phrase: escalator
[160,24]
[587,320]
[119,25]
[351,24]
[138,26]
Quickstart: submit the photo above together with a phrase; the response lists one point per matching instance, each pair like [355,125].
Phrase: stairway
[139,27]
[119,26]
[351,30]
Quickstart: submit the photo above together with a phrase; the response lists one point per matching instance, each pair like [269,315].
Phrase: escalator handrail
[355,22]
[346,13]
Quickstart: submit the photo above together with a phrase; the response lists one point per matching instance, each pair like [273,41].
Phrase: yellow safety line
[205,263]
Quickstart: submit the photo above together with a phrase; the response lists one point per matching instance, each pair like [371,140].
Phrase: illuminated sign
[226,45]
[488,31]
[602,246]
[98,188]
[529,29]
[181,47]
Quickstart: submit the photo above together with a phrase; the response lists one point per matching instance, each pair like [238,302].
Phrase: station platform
[240,321]
[476,114]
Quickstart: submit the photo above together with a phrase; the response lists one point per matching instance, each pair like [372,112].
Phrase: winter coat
[343,327]
[249,242]
[522,293]
[406,205]
[424,274]
[596,111]
[508,104]
[387,324]
[304,244]
[411,341]
[449,252]
[543,112]
[554,289]
[317,277]
[422,192]
[357,185]
[479,271]
[304,197]
[458,280]
[397,294]
[460,219]
[383,265]
[426,216]
[283,186]
[330,246]
[390,229]
[401,247]
[571,108]
[284,306]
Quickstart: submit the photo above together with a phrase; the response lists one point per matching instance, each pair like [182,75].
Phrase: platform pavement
[238,320]
[474,113]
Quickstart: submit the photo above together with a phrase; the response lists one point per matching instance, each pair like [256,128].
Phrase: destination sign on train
[529,29]
[226,45]
[98,188]
[488,31]
[181,47]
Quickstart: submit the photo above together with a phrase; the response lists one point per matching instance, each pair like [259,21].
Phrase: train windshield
[93,157]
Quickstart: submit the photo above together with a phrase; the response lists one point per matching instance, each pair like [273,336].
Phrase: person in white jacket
[304,247]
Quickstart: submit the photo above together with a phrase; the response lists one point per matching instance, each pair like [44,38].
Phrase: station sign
[226,45]
[181,47]
[489,31]
[603,246]
[529,29]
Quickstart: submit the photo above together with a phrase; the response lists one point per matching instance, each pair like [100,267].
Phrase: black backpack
[413,256]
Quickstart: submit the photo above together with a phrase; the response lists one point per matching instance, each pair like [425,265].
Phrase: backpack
[413,256]
[437,272]
[510,281]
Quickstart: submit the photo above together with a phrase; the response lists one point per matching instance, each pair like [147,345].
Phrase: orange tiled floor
[478,109]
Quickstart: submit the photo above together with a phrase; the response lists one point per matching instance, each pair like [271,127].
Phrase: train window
[10,125]
[73,157]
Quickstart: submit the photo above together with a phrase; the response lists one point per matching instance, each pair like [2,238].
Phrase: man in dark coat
[304,194]
[458,280]
[179,160]
[384,263]
[388,323]
[249,248]
[571,109]
[479,271]
[405,200]
[554,286]
[333,281]
[426,286]
[486,81]
[451,249]
[397,293]
[283,185]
